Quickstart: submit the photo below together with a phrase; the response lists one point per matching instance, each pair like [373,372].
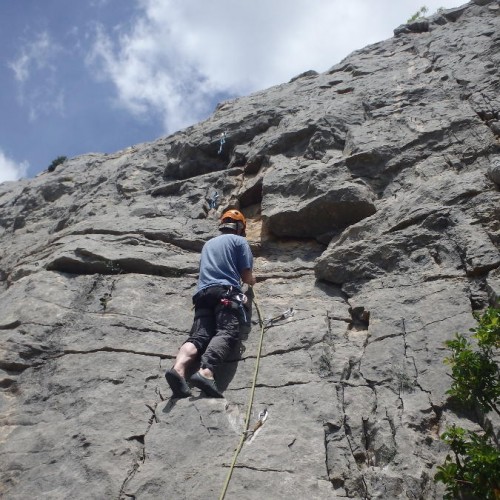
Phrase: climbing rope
[250,403]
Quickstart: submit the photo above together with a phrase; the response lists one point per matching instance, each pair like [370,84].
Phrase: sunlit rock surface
[372,194]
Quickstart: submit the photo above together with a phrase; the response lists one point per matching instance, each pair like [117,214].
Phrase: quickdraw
[284,315]
[213,202]
[222,142]
[262,417]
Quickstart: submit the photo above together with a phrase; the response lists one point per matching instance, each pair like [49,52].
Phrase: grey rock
[371,193]
[305,74]
[494,170]
[454,14]
[493,289]
[310,200]
[418,26]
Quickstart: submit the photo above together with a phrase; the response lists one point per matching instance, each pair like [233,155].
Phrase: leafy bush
[420,13]
[58,161]
[475,372]
[474,469]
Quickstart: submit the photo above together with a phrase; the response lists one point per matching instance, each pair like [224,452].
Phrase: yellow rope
[250,403]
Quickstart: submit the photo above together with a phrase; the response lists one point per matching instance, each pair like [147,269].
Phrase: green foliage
[420,13]
[58,161]
[406,382]
[475,374]
[473,471]
[488,331]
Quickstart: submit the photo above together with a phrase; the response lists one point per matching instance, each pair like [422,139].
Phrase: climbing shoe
[207,385]
[178,384]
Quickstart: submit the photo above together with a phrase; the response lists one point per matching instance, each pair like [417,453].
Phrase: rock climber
[226,261]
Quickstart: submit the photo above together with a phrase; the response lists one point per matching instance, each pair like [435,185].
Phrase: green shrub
[475,372]
[474,468]
[58,161]
[420,13]
[473,471]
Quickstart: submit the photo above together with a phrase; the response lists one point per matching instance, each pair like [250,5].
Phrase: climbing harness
[264,413]
[236,301]
[241,300]
[222,142]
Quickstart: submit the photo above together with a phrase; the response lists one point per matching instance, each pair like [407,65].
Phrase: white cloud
[33,56]
[10,170]
[45,100]
[178,56]
[35,70]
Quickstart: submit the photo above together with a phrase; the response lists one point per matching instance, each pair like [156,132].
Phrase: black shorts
[216,325]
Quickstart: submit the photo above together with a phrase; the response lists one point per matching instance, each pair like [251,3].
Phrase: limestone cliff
[372,192]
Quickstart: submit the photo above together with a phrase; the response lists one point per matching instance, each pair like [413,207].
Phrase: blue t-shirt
[223,258]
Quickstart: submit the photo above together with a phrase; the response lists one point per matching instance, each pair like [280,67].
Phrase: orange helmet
[233,219]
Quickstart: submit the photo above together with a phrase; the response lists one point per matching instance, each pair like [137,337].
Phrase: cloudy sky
[101,75]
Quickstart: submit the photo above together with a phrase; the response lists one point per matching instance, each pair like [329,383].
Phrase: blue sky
[101,75]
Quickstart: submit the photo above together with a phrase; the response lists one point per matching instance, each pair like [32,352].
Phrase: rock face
[372,193]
